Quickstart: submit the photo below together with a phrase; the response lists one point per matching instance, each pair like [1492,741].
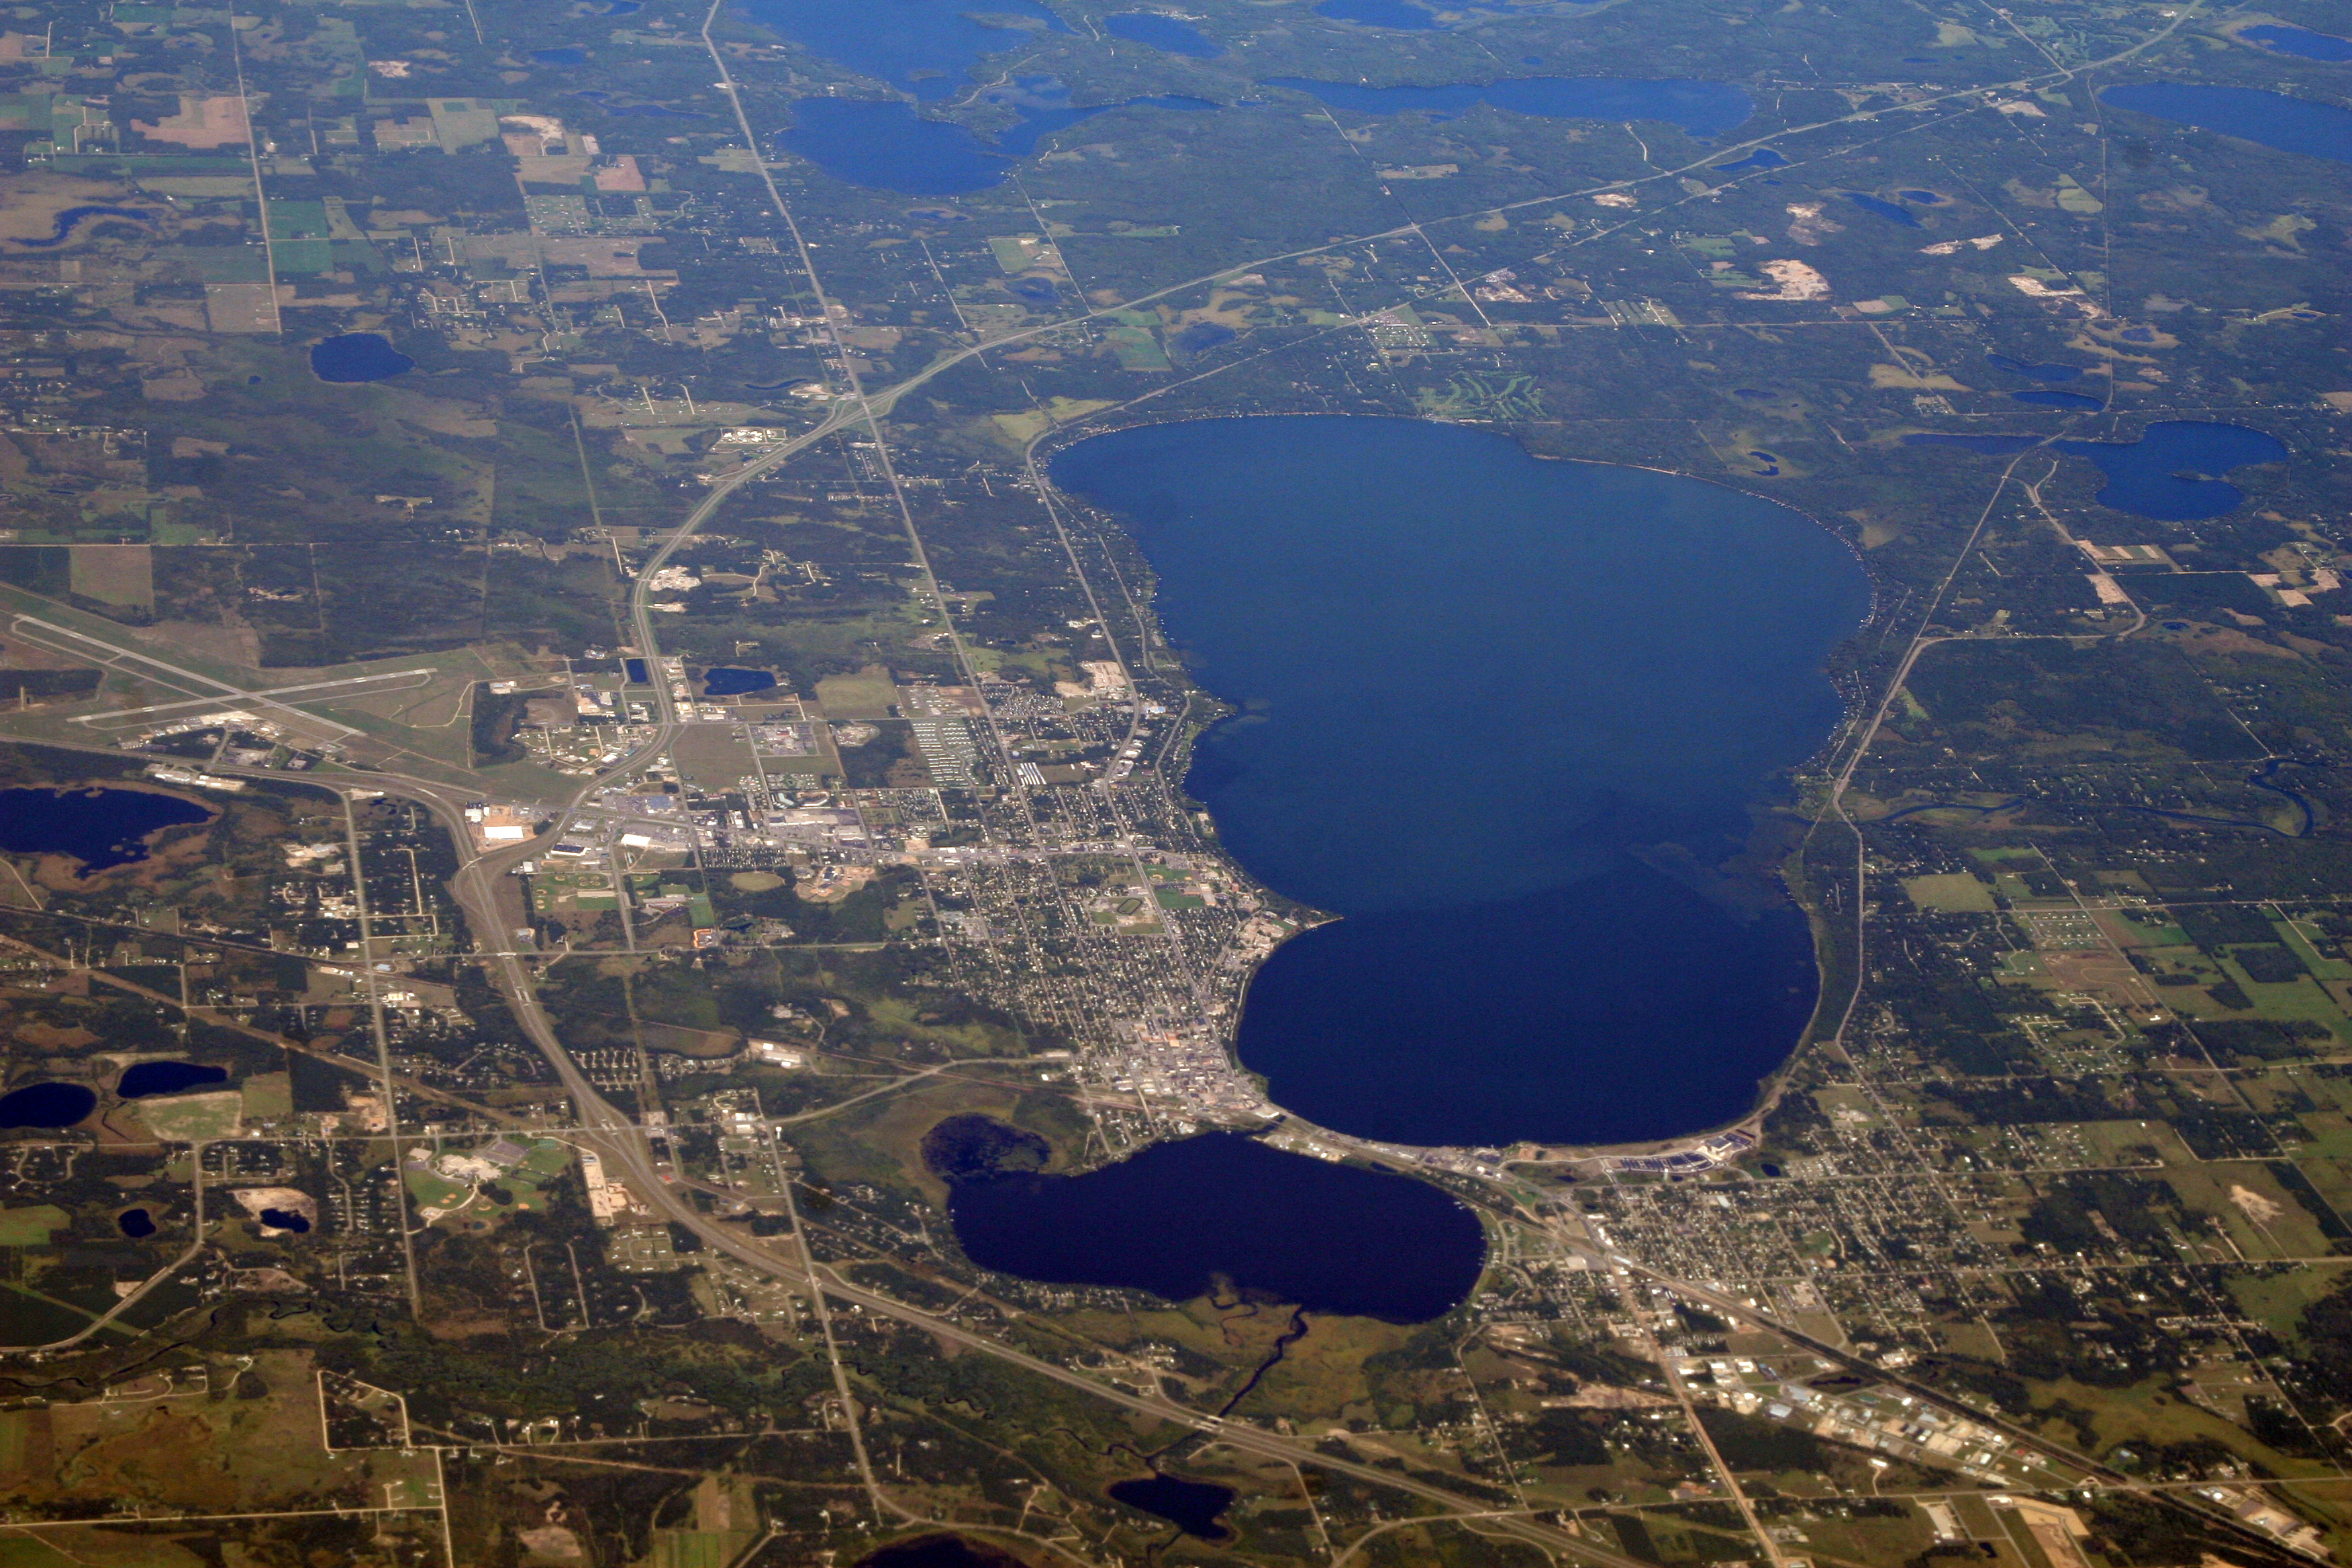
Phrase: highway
[622,1144]
[628,1157]
[2024,1436]
[624,1149]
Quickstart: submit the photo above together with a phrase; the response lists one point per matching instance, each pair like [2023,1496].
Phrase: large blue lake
[1173,34]
[2172,472]
[103,828]
[1178,1218]
[927,47]
[2272,119]
[2301,42]
[885,144]
[1479,690]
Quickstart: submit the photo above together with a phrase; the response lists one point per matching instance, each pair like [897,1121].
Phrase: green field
[196,1118]
[32,1227]
[1951,893]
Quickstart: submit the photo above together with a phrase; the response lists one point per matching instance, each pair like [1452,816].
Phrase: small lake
[886,144]
[1702,108]
[103,828]
[1178,1217]
[143,1079]
[2300,42]
[724,681]
[46,1105]
[2272,119]
[1479,692]
[135,1223]
[358,356]
[927,47]
[569,54]
[1201,337]
[1193,1506]
[1879,206]
[2172,473]
[1162,32]
[1395,14]
[937,1551]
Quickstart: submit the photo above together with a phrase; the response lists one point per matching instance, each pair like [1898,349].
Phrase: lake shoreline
[1826,937]
[1710,495]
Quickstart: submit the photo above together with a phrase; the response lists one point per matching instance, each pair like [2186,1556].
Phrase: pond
[724,681]
[1201,337]
[2274,120]
[49,1105]
[143,1079]
[1469,723]
[1702,108]
[135,1223]
[103,828]
[358,356]
[1193,1506]
[1879,206]
[1224,1211]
